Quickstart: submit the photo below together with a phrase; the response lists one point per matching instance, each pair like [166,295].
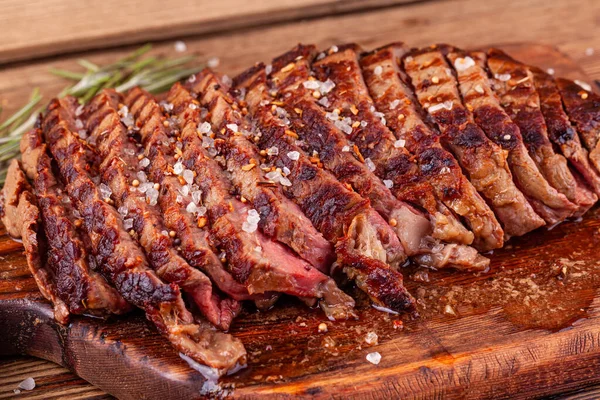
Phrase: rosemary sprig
[151,73]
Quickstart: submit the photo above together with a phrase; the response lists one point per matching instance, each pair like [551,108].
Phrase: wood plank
[525,329]
[58,26]
[572,26]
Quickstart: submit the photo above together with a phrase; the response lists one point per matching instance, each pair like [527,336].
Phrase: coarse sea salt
[583,85]
[388,183]
[399,143]
[374,358]
[293,155]
[462,64]
[370,165]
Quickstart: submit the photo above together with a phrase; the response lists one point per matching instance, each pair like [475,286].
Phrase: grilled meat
[71,267]
[22,219]
[119,167]
[120,259]
[516,90]
[340,214]
[547,202]
[280,218]
[254,260]
[560,130]
[375,141]
[393,96]
[583,107]
[483,160]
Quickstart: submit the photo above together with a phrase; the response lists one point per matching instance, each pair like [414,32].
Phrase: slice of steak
[393,96]
[350,99]
[254,260]
[339,213]
[583,107]
[482,160]
[119,257]
[516,90]
[547,202]
[138,205]
[83,290]
[560,130]
[280,218]
[22,219]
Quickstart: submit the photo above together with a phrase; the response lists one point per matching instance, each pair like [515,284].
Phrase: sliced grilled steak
[120,259]
[350,98]
[22,219]
[254,260]
[483,160]
[280,218]
[138,206]
[71,266]
[547,202]
[560,130]
[515,87]
[394,97]
[583,107]
[340,214]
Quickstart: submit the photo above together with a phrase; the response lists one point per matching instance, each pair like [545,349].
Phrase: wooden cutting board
[528,327]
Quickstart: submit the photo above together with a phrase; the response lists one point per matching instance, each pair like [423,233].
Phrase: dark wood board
[528,327]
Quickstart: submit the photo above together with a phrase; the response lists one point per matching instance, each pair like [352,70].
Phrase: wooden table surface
[38,34]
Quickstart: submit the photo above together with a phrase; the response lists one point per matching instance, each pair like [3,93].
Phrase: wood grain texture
[59,26]
[530,327]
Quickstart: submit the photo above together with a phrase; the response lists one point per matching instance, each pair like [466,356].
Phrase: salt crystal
[312,85]
[188,176]
[388,183]
[324,101]
[346,148]
[447,105]
[204,127]
[550,71]
[268,69]
[251,223]
[506,137]
[363,124]
[178,168]
[371,338]
[27,384]
[141,175]
[78,124]
[334,49]
[191,208]
[378,70]
[327,86]
[227,81]
[179,199]
[184,190]
[286,170]
[180,46]
[583,85]
[479,89]
[258,249]
[82,134]
[285,181]
[123,211]
[369,164]
[273,151]
[128,223]
[502,77]
[394,104]
[200,211]
[213,62]
[374,358]
[144,162]
[79,110]
[462,64]
[152,196]
[232,127]
[399,143]
[105,191]
[196,196]
[208,142]
[143,188]
[129,152]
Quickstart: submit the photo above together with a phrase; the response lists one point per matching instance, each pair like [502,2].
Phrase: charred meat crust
[520,100]
[333,208]
[118,256]
[22,219]
[547,202]
[119,167]
[394,97]
[280,218]
[482,160]
[560,130]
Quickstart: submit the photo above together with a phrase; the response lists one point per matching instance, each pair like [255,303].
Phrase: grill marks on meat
[21,217]
[583,108]
[551,205]
[118,256]
[340,214]
[280,218]
[320,137]
[560,130]
[521,102]
[483,160]
[256,261]
[376,141]
[393,96]
[119,167]
[83,290]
